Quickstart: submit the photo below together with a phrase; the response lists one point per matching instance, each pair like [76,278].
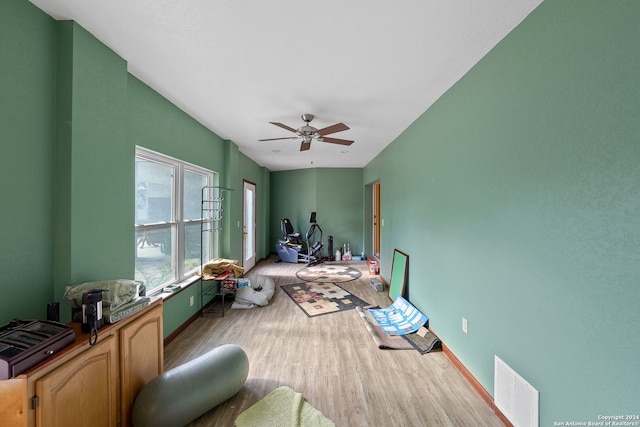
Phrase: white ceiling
[375,65]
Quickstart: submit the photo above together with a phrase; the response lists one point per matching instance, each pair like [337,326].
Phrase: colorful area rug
[333,273]
[283,407]
[315,299]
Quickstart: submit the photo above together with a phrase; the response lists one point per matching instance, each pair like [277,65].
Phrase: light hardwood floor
[333,361]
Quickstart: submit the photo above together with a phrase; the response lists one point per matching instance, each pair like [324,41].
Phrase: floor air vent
[514,397]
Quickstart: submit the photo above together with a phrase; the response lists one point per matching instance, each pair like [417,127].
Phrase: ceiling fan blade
[276,139]
[305,145]
[337,141]
[284,127]
[338,127]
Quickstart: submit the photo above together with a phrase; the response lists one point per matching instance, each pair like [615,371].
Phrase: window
[168,218]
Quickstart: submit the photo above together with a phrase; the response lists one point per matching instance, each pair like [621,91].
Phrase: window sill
[179,287]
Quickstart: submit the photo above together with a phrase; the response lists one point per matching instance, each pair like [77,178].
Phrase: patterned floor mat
[333,273]
[315,299]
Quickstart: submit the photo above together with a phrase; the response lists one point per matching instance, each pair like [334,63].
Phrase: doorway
[248,225]
[375,209]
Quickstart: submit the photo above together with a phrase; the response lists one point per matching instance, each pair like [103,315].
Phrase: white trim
[177,221]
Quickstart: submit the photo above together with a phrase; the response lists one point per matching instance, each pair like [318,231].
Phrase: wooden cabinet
[89,385]
[82,392]
[141,358]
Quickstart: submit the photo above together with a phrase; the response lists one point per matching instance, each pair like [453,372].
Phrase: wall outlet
[465,325]
[191,301]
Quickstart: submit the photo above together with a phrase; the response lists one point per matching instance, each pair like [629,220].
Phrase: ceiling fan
[308,133]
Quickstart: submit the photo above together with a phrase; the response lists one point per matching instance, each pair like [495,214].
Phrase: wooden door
[376,220]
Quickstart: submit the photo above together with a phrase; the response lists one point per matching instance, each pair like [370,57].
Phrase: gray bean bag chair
[180,395]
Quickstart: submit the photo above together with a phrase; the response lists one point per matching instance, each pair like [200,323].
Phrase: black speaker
[53,311]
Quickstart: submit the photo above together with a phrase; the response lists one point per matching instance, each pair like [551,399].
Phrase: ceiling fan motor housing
[309,133]
[307,130]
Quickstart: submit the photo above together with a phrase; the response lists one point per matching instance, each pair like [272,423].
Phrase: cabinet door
[141,357]
[81,392]
[13,402]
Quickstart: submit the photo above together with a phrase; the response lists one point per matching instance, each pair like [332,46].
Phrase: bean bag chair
[257,294]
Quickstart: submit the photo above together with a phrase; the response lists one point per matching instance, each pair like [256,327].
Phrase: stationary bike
[293,249]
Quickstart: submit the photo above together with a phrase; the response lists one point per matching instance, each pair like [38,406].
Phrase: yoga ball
[180,395]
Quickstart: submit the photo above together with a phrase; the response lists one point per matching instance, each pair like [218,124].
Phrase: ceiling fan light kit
[309,133]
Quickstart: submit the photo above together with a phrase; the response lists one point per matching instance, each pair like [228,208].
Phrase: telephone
[92,319]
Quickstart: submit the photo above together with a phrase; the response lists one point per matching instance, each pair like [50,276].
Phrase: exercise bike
[292,248]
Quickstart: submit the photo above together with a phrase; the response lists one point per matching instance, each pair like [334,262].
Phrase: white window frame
[177,222]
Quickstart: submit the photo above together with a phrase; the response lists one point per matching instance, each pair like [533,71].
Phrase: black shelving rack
[212,216]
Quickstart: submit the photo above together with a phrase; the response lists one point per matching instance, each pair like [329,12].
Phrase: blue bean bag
[180,395]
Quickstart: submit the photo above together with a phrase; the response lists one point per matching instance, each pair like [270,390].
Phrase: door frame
[248,225]
[375,219]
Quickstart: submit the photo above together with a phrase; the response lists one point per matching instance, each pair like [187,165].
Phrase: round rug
[329,273]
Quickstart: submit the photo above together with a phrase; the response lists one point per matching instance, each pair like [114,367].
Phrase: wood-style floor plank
[333,361]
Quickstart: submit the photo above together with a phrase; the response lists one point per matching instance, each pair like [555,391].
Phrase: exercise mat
[382,340]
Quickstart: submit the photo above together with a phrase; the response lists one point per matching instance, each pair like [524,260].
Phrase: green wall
[335,194]
[68,164]
[157,124]
[516,195]
[517,198]
[93,207]
[340,207]
[27,126]
[293,196]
